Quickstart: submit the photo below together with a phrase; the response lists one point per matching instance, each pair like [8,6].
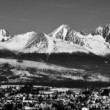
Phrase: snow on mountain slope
[65,47]
[62,40]
[97,47]
[18,41]
[93,43]
[103,31]
[41,43]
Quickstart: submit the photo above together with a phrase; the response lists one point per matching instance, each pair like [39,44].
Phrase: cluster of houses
[29,97]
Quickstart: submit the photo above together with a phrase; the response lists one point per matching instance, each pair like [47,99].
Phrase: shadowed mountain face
[87,62]
[56,69]
[68,60]
[37,43]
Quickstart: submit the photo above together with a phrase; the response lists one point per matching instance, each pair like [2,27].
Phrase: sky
[21,16]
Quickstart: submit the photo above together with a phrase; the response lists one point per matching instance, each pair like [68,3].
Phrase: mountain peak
[4,32]
[103,31]
[62,39]
[64,26]
[108,25]
[61,32]
[4,35]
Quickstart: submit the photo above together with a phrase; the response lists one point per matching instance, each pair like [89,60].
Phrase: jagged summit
[90,42]
[61,32]
[103,31]
[62,40]
[4,35]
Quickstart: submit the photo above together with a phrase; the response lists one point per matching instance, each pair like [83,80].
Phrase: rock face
[38,43]
[103,31]
[62,40]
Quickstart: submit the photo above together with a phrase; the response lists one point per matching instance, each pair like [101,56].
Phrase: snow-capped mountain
[103,31]
[17,42]
[40,43]
[91,43]
[4,35]
[62,40]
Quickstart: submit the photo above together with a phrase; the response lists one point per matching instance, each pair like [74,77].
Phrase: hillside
[12,71]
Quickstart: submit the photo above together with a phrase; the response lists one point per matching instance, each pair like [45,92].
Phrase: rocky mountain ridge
[62,40]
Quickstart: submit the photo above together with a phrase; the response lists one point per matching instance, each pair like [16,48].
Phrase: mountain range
[62,57]
[62,40]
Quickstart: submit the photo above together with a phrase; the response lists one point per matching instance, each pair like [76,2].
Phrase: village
[31,97]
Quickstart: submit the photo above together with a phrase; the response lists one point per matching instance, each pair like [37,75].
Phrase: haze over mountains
[62,40]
